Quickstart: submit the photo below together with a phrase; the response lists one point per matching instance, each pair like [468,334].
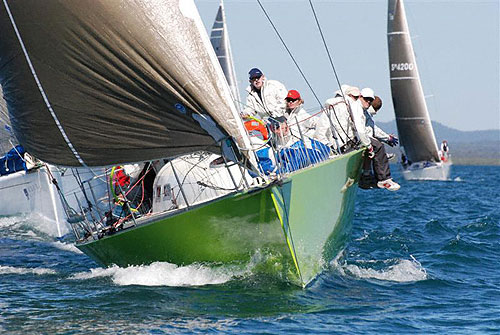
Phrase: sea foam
[402,271]
[21,270]
[11,221]
[161,274]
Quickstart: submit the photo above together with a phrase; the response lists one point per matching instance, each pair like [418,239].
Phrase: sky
[456,43]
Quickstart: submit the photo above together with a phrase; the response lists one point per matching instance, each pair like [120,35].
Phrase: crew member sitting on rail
[443,153]
[342,124]
[379,161]
[301,123]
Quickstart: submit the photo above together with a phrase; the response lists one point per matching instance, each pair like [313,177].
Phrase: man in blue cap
[266,98]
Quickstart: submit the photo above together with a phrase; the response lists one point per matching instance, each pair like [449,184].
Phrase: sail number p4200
[402,67]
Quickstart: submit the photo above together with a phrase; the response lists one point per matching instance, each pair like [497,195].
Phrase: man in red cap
[266,98]
[298,117]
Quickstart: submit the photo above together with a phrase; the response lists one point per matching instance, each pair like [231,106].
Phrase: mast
[412,117]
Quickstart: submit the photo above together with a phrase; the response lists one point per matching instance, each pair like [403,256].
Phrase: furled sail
[102,82]
[412,118]
[220,42]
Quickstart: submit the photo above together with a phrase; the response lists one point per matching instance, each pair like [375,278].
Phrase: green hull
[304,221]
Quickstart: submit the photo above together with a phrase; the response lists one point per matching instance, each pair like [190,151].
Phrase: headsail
[412,118]
[220,42]
[104,82]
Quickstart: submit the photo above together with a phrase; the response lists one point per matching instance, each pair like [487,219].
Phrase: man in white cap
[379,162]
[367,98]
[266,98]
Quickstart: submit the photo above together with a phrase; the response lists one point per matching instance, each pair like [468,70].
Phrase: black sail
[412,118]
[101,82]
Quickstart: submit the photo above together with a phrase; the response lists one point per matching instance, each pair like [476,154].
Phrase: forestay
[412,118]
[100,82]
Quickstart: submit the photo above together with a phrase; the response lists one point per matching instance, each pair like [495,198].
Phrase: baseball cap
[293,94]
[254,73]
[368,93]
[353,90]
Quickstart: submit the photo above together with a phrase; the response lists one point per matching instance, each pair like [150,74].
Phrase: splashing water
[30,224]
[66,247]
[161,274]
[402,271]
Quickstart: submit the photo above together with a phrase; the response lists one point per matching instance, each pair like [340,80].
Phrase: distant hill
[480,147]
[443,132]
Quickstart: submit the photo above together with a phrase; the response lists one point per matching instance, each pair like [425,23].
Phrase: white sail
[222,46]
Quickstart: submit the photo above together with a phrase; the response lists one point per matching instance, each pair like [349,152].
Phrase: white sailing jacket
[359,119]
[273,100]
[345,129]
[306,122]
[372,130]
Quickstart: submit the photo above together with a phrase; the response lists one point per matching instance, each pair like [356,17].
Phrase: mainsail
[100,82]
[220,42]
[412,118]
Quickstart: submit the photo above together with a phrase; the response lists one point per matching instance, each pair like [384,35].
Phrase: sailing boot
[389,184]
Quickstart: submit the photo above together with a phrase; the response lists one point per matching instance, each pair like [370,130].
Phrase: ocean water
[425,259]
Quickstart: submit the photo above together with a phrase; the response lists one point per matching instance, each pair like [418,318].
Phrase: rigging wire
[300,70]
[333,68]
[326,46]
[289,52]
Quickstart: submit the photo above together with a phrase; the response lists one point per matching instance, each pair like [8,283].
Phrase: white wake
[22,270]
[162,274]
[402,271]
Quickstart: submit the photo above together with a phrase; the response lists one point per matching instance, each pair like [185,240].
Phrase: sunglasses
[255,78]
[291,100]
[369,100]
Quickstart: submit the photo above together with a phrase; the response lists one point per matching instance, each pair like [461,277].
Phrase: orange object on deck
[257,129]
